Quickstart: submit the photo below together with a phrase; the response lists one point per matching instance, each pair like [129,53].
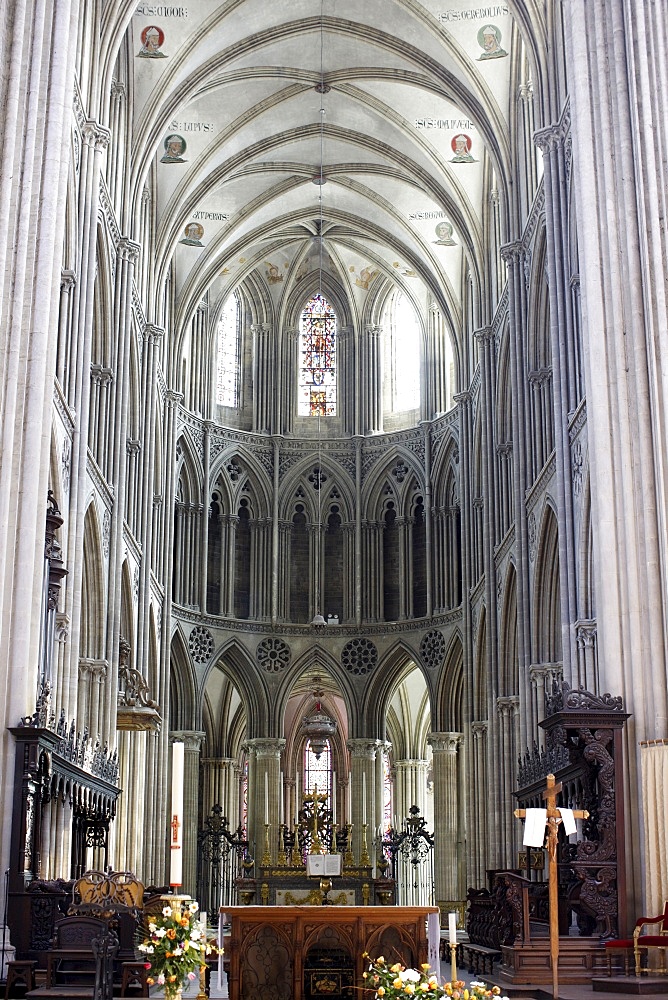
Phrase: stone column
[478,832]
[220,787]
[192,741]
[586,632]
[362,790]
[266,756]
[410,788]
[263,377]
[507,829]
[449,806]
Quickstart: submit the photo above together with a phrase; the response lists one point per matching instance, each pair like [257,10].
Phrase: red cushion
[622,943]
[653,940]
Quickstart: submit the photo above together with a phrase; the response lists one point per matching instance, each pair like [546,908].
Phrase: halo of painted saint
[152,38]
[489,40]
[192,235]
[174,146]
[461,147]
[444,232]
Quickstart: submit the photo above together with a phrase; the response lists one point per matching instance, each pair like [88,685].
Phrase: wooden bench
[478,958]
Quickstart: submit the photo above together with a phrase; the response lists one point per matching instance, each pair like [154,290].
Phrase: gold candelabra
[266,857]
[348,859]
[296,859]
[364,853]
[282,859]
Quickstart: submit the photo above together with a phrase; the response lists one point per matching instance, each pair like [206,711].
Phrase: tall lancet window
[229,343]
[317,359]
[318,769]
[406,340]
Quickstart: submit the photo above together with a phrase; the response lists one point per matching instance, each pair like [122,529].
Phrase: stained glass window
[229,341]
[317,359]
[317,770]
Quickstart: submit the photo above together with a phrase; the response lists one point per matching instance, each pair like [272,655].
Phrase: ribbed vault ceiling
[270,97]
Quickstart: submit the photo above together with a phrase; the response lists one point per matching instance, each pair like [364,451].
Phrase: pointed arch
[547,625]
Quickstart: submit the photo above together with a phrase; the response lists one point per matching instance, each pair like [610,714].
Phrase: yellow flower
[380,961]
[425,966]
[398,983]
[364,975]
[409,988]
[466,995]
[381,991]
[424,987]
[395,968]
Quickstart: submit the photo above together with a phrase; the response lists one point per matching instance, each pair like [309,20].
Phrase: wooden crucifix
[553,820]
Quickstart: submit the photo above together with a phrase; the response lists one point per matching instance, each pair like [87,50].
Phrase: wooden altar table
[306,952]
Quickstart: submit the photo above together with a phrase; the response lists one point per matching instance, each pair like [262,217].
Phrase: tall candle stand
[297,859]
[453,960]
[348,859]
[282,859]
[266,857]
[365,860]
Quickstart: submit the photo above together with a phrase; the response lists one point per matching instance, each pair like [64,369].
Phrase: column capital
[97,136]
[173,398]
[373,329]
[512,252]
[461,398]
[508,706]
[364,749]
[485,333]
[68,279]
[586,630]
[266,749]
[447,743]
[192,739]
[153,333]
[479,730]
[261,329]
[550,137]
[128,250]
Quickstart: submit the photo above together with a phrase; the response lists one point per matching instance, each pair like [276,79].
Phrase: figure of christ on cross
[553,819]
[316,845]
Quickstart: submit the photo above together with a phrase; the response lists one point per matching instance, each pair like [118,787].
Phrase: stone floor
[604,988]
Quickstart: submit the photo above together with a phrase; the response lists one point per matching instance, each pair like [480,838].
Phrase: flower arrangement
[176,946]
[396,982]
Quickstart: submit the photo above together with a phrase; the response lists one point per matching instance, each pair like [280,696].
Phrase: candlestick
[266,857]
[364,853]
[349,860]
[363,798]
[453,961]
[176,823]
[333,798]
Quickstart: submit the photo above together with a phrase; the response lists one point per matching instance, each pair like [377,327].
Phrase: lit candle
[334,798]
[266,797]
[203,917]
[363,797]
[452,927]
[176,820]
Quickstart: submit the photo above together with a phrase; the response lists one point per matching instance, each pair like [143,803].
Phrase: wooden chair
[649,942]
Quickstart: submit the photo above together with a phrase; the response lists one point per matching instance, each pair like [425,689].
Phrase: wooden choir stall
[305,952]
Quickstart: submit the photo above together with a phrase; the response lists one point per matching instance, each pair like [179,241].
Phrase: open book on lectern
[323,864]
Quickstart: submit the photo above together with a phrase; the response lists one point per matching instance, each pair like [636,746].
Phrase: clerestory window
[229,351]
[317,359]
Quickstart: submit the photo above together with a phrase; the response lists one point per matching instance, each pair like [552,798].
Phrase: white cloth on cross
[534,827]
[568,820]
